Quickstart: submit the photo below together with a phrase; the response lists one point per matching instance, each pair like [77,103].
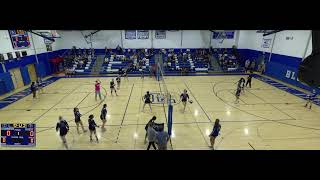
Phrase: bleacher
[227,61]
[115,61]
[175,61]
[185,60]
[79,61]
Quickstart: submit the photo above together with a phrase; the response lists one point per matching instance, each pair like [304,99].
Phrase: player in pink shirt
[97,89]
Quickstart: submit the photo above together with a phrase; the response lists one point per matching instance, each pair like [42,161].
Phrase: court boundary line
[124,114]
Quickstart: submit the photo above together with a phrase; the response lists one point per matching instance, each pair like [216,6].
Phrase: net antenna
[167,96]
[222,36]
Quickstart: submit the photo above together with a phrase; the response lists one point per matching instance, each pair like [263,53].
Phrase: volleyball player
[147,100]
[33,90]
[103,115]
[118,79]
[77,119]
[152,134]
[184,98]
[249,79]
[238,92]
[241,84]
[97,89]
[215,133]
[112,87]
[63,126]
[151,121]
[310,98]
[92,127]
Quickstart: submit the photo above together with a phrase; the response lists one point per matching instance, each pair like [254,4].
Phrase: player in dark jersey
[112,87]
[215,133]
[147,100]
[238,92]
[118,79]
[310,98]
[103,115]
[249,80]
[77,119]
[241,84]
[92,127]
[184,98]
[63,126]
[125,74]
[33,90]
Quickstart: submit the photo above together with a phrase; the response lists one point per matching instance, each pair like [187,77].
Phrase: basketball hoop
[54,34]
[222,36]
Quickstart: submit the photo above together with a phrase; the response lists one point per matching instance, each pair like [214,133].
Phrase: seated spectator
[252,65]
[119,49]
[106,59]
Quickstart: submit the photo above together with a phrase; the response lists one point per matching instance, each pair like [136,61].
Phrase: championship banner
[131,34]
[160,34]
[143,34]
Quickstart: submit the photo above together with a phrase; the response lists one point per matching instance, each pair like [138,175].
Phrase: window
[9,55]
[18,55]
[24,53]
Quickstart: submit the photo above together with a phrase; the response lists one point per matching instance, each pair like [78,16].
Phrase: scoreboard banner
[160,34]
[19,39]
[131,34]
[18,134]
[143,34]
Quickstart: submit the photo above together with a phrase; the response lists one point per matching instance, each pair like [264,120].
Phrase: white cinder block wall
[112,38]
[294,46]
[244,39]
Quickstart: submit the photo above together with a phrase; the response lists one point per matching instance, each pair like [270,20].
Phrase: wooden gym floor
[266,118]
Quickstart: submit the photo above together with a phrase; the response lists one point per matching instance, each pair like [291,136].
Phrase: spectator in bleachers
[106,50]
[247,65]
[106,59]
[234,51]
[119,50]
[252,65]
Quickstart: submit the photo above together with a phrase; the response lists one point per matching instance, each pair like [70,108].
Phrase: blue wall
[1,69]
[44,68]
[281,67]
[6,84]
[25,75]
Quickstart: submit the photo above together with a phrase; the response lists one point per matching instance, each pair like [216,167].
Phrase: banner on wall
[223,35]
[143,34]
[160,34]
[131,34]
[266,43]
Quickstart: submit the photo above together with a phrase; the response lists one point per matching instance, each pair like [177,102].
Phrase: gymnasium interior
[270,114]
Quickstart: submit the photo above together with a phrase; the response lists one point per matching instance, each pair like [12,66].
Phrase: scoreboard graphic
[18,134]
[19,39]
